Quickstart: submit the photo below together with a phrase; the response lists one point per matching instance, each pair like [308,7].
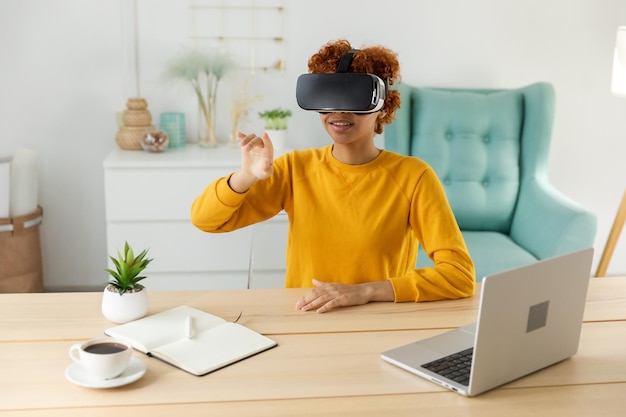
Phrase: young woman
[356,213]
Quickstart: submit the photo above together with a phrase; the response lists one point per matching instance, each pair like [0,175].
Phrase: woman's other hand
[327,296]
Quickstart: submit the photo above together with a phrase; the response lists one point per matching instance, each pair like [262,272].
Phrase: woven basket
[136,103]
[137,118]
[130,137]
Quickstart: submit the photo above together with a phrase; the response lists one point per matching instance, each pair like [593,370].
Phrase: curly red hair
[372,60]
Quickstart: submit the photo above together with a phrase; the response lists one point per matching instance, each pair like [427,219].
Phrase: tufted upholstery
[490,149]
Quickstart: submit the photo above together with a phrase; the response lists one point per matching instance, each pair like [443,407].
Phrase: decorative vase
[136,103]
[173,124]
[278,137]
[124,308]
[140,118]
[136,122]
[130,138]
[206,126]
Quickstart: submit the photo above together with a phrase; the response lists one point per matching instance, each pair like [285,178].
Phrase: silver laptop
[529,318]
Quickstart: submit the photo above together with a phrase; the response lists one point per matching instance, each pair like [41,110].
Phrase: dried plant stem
[239,108]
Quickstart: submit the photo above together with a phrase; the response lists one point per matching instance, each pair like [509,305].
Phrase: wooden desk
[325,364]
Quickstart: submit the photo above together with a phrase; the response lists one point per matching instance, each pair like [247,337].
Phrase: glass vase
[206,127]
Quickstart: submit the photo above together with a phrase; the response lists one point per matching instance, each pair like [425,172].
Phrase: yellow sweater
[352,223]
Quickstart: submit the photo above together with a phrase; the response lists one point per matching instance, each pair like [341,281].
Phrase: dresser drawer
[155,193]
[212,280]
[179,246]
[206,280]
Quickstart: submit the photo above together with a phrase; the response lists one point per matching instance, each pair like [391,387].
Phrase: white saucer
[76,373]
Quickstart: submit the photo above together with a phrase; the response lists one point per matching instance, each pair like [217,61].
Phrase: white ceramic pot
[278,137]
[124,308]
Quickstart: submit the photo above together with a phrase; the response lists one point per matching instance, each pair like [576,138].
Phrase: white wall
[61,80]
[64,74]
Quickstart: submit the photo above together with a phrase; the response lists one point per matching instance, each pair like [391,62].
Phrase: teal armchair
[490,150]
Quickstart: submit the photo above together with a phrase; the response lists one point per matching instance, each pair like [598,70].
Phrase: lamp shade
[618,82]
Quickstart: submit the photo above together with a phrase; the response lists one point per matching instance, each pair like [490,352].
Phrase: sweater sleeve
[436,229]
[220,209]
[215,210]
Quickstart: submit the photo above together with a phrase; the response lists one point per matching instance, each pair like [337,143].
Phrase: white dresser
[148,198]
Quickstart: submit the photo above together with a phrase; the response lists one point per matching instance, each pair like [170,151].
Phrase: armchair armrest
[547,223]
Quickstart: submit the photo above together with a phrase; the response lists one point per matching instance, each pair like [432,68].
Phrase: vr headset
[341,91]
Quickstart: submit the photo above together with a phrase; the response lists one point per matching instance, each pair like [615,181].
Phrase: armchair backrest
[481,143]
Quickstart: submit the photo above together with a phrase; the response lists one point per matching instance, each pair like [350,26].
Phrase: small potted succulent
[276,123]
[124,298]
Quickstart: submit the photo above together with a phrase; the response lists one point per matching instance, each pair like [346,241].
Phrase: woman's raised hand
[257,157]
[257,154]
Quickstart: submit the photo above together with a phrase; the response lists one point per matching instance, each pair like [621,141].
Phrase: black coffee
[106,348]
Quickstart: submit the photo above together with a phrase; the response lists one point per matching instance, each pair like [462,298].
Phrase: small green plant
[128,267]
[276,118]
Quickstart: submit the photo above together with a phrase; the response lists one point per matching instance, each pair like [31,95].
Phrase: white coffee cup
[102,358]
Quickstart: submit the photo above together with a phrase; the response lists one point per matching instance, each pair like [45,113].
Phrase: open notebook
[192,340]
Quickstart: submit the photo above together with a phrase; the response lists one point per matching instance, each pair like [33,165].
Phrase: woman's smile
[341,125]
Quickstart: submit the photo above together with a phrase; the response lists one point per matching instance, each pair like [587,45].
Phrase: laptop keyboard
[455,367]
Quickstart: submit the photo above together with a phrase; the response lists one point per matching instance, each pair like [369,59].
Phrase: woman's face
[345,128]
